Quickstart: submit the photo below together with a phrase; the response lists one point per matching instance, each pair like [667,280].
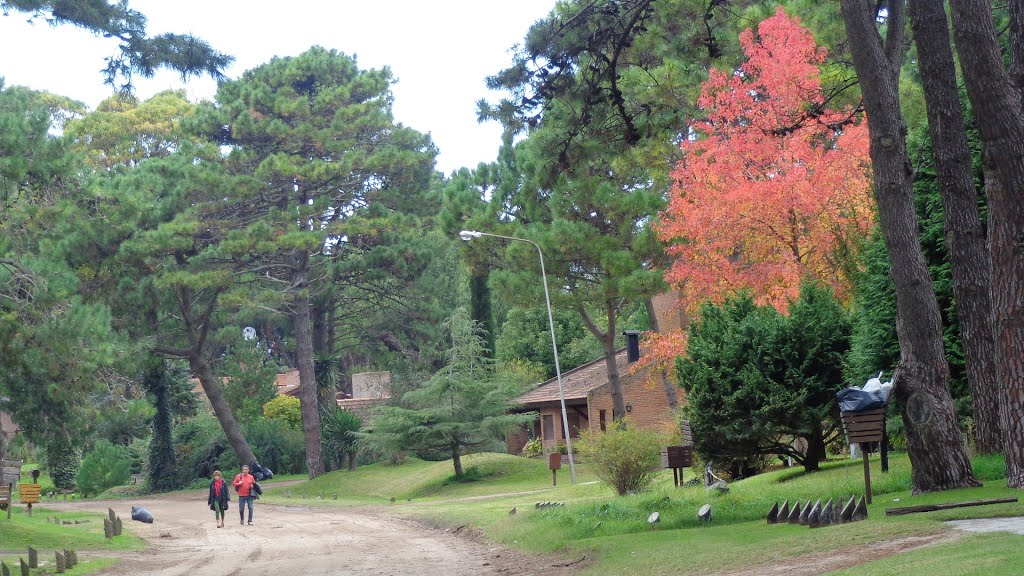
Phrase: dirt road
[184,540]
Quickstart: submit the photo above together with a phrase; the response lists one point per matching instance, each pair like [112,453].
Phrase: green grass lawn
[613,533]
[22,531]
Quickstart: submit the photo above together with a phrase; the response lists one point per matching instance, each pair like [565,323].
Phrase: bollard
[33,558]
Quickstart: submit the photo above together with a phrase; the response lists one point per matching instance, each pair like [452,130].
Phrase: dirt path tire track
[184,540]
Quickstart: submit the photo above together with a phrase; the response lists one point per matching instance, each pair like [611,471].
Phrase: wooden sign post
[554,463]
[863,428]
[677,458]
[10,474]
[29,495]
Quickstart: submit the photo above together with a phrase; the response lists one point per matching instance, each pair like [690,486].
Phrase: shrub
[200,448]
[625,457]
[276,446]
[339,436]
[286,409]
[108,465]
[533,448]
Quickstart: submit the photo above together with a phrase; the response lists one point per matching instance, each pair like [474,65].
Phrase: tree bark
[969,258]
[607,340]
[196,330]
[308,397]
[997,108]
[457,461]
[937,455]
[215,393]
[3,442]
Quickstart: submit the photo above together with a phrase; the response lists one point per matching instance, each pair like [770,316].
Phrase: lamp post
[471,234]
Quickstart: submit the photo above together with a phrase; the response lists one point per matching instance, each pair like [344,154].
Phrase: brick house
[588,403]
[588,398]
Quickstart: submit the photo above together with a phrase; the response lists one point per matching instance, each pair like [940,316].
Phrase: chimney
[632,345]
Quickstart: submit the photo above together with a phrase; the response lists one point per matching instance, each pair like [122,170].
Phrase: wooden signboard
[677,458]
[10,471]
[554,463]
[865,427]
[29,493]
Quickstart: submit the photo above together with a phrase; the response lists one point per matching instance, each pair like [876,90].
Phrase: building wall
[362,407]
[371,385]
[646,404]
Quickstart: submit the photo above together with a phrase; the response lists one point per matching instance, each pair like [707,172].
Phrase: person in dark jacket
[219,497]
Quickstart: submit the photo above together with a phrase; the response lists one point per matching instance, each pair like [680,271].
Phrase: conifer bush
[106,466]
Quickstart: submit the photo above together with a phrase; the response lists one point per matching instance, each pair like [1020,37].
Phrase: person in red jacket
[243,484]
[219,497]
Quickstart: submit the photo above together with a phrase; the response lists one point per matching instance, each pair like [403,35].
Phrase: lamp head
[469,234]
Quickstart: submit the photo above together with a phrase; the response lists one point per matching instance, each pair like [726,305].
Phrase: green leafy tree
[106,466]
[316,155]
[756,380]
[286,410]
[462,407]
[249,379]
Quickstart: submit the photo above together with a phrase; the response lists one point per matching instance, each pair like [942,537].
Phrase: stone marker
[111,514]
[704,514]
[512,512]
[784,511]
[814,517]
[4,570]
[847,514]
[74,557]
[773,514]
[118,526]
[827,514]
[33,558]
[108,528]
[596,526]
[60,562]
[802,519]
[794,514]
[654,518]
[861,512]
[68,561]
[24,567]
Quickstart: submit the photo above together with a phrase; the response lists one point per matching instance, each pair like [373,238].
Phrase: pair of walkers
[247,488]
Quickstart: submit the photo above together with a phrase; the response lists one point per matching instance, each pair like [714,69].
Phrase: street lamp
[471,234]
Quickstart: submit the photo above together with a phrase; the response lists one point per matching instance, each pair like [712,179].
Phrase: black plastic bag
[857,400]
[140,514]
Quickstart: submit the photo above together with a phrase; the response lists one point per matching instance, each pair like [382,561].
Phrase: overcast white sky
[440,51]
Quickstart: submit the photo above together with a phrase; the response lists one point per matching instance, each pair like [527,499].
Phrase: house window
[601,419]
[549,427]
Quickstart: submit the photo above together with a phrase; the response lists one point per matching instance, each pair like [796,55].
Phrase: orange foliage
[773,184]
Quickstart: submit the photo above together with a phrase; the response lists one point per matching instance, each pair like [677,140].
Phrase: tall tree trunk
[969,258]
[937,454]
[215,393]
[607,340]
[308,397]
[997,108]
[457,461]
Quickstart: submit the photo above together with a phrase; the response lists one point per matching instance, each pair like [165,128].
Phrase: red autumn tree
[773,183]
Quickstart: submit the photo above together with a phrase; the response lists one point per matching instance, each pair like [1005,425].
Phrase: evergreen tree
[463,407]
[163,469]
